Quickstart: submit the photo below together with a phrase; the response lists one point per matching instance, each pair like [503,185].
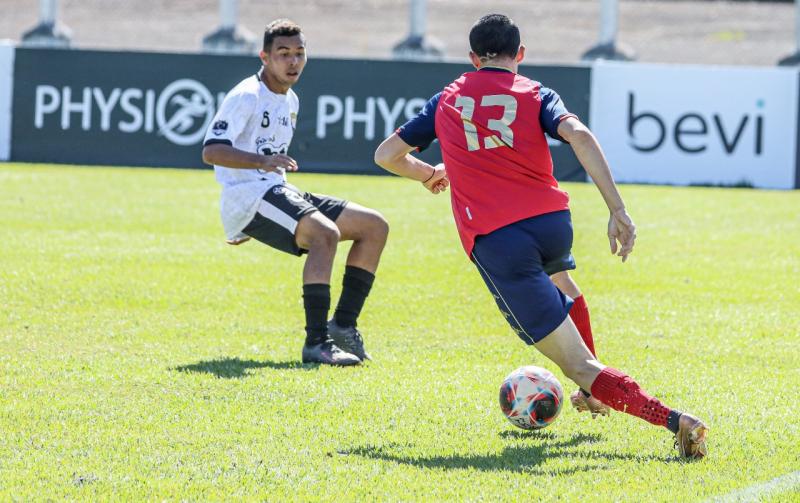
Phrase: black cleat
[349,339]
[328,353]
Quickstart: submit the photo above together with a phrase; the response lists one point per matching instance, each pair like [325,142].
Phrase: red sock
[580,316]
[620,392]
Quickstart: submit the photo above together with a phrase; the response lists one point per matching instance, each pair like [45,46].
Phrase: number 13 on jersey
[501,125]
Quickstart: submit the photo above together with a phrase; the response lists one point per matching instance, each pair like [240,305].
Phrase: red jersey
[490,124]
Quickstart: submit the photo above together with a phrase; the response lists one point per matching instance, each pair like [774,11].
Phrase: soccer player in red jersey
[513,220]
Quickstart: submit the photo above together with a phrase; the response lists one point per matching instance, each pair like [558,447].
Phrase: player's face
[286,59]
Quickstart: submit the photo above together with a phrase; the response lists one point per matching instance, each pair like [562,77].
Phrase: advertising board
[147,109]
[691,125]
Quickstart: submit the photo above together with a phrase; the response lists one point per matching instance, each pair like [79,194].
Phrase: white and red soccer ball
[531,397]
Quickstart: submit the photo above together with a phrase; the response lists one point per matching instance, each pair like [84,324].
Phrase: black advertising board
[116,108]
[149,109]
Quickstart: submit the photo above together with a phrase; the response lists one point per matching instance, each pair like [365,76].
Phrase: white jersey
[254,119]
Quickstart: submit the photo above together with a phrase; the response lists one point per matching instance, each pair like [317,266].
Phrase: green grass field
[143,358]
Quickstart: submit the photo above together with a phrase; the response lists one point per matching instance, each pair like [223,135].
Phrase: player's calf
[622,393]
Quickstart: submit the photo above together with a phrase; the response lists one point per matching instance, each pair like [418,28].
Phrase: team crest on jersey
[265,119]
[268,146]
[219,127]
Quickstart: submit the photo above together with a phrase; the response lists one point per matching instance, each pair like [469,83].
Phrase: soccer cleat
[349,339]
[582,403]
[328,353]
[238,239]
[691,437]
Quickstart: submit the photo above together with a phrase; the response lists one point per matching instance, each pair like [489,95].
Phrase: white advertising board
[697,125]
[6,92]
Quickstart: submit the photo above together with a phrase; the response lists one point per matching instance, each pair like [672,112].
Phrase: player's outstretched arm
[621,229]
[229,156]
[393,155]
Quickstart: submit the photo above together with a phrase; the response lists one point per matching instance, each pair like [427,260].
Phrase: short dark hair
[279,28]
[494,35]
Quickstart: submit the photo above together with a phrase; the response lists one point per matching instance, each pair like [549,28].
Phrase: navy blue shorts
[516,262]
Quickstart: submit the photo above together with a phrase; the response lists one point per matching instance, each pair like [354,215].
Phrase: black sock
[672,420]
[317,303]
[356,285]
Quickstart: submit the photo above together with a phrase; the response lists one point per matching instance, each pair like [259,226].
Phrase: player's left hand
[621,229]
[438,182]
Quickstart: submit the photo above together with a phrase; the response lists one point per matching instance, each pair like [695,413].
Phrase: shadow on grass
[515,458]
[542,435]
[233,368]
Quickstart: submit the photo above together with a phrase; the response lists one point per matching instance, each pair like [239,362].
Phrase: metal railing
[607,46]
[49,32]
[794,59]
[416,46]
[229,37]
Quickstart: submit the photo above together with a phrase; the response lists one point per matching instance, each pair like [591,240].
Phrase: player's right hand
[438,182]
[621,229]
[277,162]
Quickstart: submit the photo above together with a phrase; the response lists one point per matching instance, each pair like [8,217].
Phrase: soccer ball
[531,397]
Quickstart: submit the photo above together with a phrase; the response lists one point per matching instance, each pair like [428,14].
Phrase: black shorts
[281,209]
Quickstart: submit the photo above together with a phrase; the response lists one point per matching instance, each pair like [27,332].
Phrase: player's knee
[371,226]
[379,226]
[321,233]
[566,284]
[329,235]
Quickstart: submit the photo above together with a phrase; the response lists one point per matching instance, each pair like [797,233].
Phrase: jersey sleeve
[230,119]
[552,113]
[420,131]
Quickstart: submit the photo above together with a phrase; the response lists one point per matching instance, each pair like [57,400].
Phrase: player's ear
[476,61]
[264,57]
[520,54]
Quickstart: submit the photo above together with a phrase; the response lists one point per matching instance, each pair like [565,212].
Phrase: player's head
[284,52]
[495,36]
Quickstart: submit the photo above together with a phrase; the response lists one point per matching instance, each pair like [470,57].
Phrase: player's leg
[287,222]
[558,267]
[581,399]
[368,230]
[511,260]
[618,390]
[566,284]
[317,234]
[319,237]
[557,254]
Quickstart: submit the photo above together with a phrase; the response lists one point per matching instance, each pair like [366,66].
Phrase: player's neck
[503,64]
[273,85]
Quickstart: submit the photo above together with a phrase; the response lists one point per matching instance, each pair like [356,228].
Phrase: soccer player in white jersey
[247,143]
